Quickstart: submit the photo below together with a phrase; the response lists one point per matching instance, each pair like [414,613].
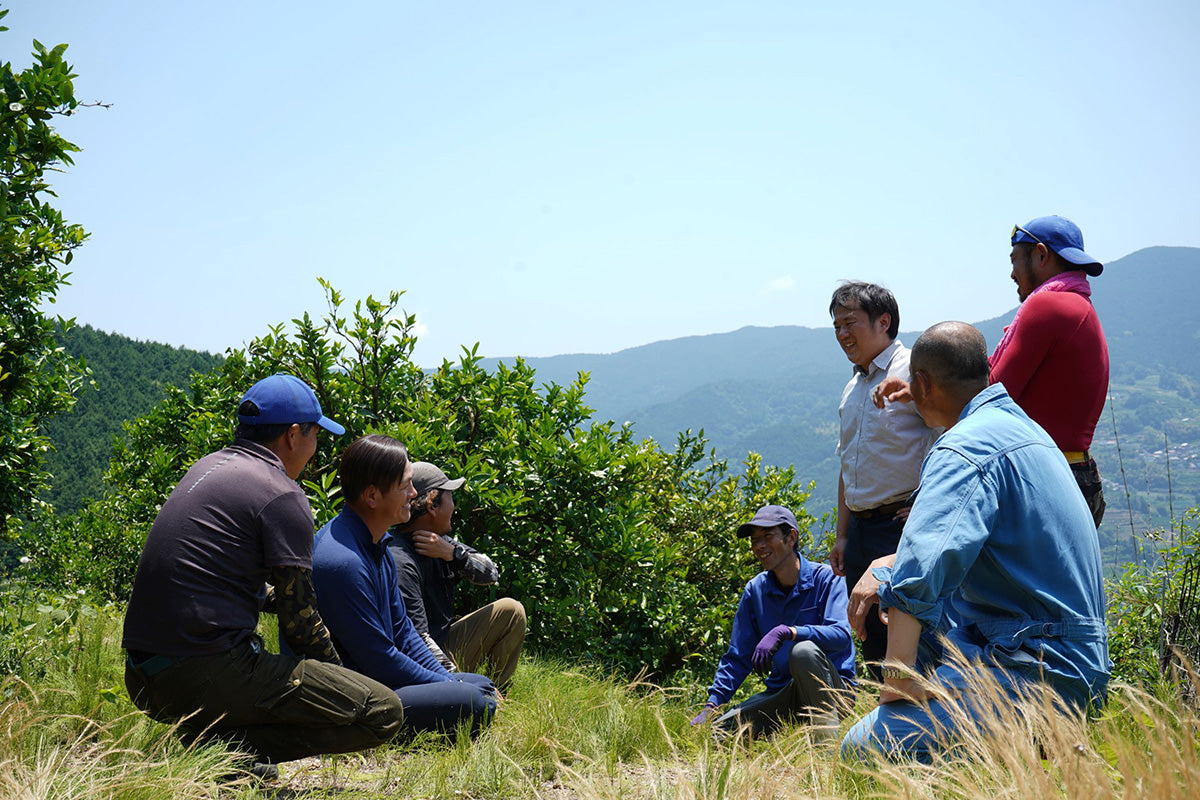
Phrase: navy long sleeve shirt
[359,599]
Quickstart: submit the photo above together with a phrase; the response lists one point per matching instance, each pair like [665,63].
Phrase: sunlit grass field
[565,732]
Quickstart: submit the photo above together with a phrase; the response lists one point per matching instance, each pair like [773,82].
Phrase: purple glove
[702,717]
[769,646]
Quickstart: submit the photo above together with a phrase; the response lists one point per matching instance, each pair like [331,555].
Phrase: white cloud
[784,283]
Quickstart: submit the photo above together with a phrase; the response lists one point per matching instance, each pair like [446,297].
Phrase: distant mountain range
[775,391]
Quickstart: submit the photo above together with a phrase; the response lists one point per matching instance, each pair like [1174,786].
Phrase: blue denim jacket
[1001,538]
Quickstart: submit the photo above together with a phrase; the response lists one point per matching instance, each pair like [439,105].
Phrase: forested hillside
[129,379]
[775,391]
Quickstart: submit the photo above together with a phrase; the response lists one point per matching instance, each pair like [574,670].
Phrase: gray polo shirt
[201,579]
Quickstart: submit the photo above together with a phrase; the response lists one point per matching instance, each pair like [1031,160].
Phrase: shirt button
[295,681]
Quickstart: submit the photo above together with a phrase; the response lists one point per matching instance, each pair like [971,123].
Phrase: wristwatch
[895,674]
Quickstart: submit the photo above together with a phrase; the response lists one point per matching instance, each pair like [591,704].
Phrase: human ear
[370,495]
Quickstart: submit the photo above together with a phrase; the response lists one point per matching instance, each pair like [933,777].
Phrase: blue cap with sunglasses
[1060,235]
[769,517]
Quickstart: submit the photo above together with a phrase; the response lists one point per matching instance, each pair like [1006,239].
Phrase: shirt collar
[259,451]
[882,360]
[362,534]
[804,579]
[992,394]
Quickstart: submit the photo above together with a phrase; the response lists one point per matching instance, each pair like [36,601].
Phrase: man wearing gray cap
[236,522]
[790,626]
[430,563]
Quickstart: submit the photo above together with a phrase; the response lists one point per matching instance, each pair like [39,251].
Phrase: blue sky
[564,177]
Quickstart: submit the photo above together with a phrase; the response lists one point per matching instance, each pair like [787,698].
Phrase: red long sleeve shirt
[1056,366]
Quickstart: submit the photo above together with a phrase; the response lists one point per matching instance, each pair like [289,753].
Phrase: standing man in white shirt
[881,449]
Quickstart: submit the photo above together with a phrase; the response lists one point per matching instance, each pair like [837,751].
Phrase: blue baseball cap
[283,399]
[1060,235]
[769,517]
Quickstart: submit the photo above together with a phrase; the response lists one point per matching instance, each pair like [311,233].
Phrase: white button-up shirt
[881,449]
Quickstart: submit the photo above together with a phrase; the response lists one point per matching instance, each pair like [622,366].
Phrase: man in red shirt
[1053,359]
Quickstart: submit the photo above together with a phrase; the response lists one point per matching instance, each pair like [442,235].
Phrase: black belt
[886,510]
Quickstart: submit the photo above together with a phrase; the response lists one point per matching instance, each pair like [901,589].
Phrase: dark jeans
[276,708]
[1087,475]
[867,540]
[469,699]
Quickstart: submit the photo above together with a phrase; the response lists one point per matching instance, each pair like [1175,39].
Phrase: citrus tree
[37,380]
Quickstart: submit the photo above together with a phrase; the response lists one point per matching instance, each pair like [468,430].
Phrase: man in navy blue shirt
[790,624]
[355,579]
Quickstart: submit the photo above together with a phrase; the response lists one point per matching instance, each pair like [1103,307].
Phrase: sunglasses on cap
[1016,228]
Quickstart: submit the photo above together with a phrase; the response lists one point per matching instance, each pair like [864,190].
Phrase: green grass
[566,732]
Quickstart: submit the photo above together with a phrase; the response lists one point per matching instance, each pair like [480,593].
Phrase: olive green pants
[275,708]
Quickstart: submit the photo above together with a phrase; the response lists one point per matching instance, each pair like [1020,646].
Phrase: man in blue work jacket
[1000,536]
[790,624]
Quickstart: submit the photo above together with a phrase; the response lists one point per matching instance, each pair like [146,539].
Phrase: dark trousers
[816,694]
[276,708]
[469,700]
[1087,475]
[867,540]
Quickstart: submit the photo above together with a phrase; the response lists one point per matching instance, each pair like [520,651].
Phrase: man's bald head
[954,356]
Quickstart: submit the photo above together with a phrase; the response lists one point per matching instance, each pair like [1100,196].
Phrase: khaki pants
[493,634]
[276,708]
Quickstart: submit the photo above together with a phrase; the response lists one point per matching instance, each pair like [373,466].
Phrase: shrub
[624,553]
[1154,611]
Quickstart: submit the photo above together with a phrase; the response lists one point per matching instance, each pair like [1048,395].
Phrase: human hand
[428,543]
[837,556]
[704,714]
[903,513]
[914,691]
[768,646]
[865,596]
[891,390]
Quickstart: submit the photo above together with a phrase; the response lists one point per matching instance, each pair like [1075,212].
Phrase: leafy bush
[37,380]
[1154,611]
[624,553]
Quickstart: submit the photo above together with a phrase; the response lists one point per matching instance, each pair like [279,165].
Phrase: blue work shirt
[1000,532]
[816,606]
[360,602]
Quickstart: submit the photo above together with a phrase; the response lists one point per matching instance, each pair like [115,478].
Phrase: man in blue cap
[236,522]
[1053,359]
[791,626]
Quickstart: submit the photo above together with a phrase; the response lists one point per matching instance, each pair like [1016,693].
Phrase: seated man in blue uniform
[790,624]
[355,581]
[1000,533]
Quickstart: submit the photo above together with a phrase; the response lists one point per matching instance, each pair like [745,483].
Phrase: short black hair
[952,353]
[269,433]
[1060,263]
[373,460]
[871,298]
